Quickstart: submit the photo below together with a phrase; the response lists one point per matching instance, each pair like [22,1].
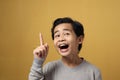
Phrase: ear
[81,38]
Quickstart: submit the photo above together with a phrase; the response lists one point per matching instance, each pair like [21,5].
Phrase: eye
[67,34]
[56,35]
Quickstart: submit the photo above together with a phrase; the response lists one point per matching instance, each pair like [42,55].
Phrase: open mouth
[63,46]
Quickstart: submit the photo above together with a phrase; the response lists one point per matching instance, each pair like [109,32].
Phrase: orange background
[22,20]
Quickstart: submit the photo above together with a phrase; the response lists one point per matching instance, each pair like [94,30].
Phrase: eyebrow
[64,30]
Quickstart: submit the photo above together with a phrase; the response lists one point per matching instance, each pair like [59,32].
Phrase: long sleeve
[36,72]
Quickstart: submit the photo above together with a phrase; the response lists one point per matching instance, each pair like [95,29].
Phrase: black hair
[77,27]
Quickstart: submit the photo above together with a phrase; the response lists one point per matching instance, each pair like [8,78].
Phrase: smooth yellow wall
[22,20]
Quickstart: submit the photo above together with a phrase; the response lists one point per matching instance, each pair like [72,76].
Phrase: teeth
[62,44]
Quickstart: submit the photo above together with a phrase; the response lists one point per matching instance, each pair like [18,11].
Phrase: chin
[64,54]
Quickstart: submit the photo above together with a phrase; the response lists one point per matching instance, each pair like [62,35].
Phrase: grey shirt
[56,70]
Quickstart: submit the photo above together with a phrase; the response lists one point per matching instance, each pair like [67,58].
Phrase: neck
[72,61]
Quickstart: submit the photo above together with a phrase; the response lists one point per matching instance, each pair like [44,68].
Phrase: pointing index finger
[41,39]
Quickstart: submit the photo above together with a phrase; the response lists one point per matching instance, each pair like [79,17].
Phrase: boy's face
[65,40]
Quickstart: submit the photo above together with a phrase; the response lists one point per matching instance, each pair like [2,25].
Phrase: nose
[61,38]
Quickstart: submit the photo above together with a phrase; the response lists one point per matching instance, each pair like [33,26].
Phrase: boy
[68,36]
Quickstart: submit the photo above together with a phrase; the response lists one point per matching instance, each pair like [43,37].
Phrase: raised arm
[40,54]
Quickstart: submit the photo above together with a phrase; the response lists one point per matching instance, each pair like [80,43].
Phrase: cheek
[71,40]
[74,44]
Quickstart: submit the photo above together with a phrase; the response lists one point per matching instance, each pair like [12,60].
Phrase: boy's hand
[42,50]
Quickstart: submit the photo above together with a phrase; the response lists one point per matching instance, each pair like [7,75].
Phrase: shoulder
[53,63]
[90,67]
[51,66]
[92,70]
